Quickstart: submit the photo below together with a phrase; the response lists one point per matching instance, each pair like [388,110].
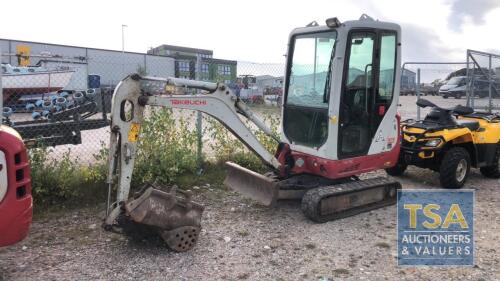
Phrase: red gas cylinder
[16,202]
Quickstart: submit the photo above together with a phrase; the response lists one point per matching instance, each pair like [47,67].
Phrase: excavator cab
[341,90]
[338,121]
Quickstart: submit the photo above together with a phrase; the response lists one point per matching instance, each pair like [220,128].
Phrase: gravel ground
[243,241]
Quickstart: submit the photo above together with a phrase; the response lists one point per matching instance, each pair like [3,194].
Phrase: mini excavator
[339,120]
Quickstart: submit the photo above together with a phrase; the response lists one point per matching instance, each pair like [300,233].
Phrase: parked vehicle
[252,95]
[455,87]
[16,202]
[19,81]
[451,141]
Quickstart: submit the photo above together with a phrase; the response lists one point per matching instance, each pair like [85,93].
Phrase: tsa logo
[435,227]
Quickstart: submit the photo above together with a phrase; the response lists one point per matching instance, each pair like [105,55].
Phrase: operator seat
[355,133]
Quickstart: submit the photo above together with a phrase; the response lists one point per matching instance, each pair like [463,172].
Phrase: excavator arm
[131,97]
[135,92]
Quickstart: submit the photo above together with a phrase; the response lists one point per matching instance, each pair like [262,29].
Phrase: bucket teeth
[181,239]
[176,218]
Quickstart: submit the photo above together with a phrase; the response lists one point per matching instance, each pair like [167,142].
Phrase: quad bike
[451,141]
[16,203]
[339,121]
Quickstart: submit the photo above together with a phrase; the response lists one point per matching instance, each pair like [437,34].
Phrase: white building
[111,65]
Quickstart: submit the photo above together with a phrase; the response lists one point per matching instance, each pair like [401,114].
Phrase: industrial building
[211,69]
[110,65]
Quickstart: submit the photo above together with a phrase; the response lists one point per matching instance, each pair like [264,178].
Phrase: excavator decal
[189,102]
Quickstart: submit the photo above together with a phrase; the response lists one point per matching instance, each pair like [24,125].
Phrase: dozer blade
[251,184]
[176,218]
[333,202]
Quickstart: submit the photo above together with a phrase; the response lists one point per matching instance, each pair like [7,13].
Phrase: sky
[256,31]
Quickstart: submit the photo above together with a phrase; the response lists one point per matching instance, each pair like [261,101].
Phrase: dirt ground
[243,241]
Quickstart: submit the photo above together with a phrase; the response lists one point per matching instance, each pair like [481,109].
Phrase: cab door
[367,89]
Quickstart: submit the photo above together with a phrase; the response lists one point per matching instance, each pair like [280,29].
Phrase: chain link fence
[450,83]
[60,98]
[429,80]
[483,81]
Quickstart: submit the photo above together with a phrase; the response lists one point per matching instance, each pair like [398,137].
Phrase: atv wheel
[493,171]
[397,170]
[458,95]
[455,167]
[445,96]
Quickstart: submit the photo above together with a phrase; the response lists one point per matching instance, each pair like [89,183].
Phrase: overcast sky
[249,30]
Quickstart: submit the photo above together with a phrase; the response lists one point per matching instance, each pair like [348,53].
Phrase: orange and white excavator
[339,120]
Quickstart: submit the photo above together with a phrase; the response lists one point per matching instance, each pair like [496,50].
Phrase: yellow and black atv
[451,141]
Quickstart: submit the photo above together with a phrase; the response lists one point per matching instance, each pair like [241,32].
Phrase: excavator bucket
[251,184]
[177,218]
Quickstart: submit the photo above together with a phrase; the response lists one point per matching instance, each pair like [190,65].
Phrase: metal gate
[482,80]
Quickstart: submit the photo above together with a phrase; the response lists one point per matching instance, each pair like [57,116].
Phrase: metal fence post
[473,81]
[199,127]
[468,81]
[418,93]
[490,101]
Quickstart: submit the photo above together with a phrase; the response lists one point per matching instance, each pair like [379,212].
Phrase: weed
[167,151]
[62,178]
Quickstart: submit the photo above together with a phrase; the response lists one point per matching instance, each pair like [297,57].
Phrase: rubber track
[312,199]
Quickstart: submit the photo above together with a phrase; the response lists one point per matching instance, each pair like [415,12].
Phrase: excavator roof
[364,21]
